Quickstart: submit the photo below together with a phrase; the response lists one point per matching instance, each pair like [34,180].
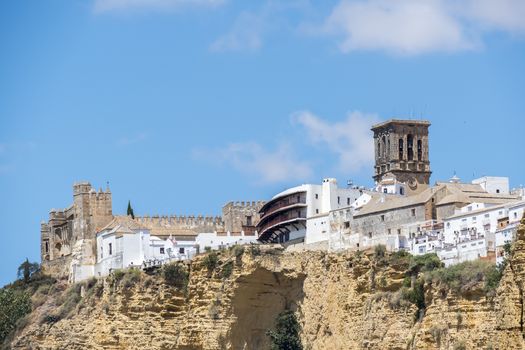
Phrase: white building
[301,213]
[479,247]
[124,244]
[493,184]
[215,241]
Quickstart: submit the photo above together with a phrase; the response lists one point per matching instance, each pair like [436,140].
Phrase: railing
[285,216]
[285,202]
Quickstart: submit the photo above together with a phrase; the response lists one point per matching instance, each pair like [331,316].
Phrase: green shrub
[286,333]
[467,276]
[379,251]
[176,275]
[237,250]
[207,249]
[68,301]
[13,306]
[400,257]
[210,261]
[416,296]
[117,275]
[227,269]
[131,277]
[255,250]
[424,263]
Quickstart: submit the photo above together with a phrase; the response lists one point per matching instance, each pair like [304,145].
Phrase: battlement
[190,220]
[244,204]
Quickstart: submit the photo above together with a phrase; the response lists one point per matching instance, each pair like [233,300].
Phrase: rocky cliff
[342,301]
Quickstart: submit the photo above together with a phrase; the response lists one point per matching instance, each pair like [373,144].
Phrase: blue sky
[183,105]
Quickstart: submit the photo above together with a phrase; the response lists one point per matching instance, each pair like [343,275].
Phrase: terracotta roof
[125,224]
[388,202]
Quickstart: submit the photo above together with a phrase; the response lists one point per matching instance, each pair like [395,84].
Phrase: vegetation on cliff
[286,333]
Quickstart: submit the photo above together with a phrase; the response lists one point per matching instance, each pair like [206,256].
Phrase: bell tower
[401,151]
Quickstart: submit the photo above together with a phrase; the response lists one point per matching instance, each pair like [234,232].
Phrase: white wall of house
[317,228]
[467,251]
[494,184]
[476,218]
[516,211]
[503,236]
[215,241]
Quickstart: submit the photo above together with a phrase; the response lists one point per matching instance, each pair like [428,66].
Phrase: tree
[286,333]
[130,210]
[26,270]
[13,306]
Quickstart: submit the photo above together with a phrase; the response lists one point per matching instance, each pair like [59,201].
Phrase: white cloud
[245,34]
[413,27]
[265,166]
[251,28]
[505,15]
[130,140]
[405,27]
[350,139]
[101,6]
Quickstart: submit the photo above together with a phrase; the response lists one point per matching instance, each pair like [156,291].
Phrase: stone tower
[401,152]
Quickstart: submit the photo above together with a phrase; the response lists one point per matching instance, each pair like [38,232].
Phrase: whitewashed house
[123,244]
[215,241]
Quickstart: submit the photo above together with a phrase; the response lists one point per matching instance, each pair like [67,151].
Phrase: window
[389,231]
[473,218]
[410,147]
[421,249]
[348,201]
[419,150]
[487,215]
[497,191]
[401,191]
[369,234]
[162,250]
[47,247]
[316,196]
[398,231]
[413,212]
[401,151]
[385,190]
[382,218]
[515,216]
[110,249]
[347,224]
[181,250]
[317,211]
[248,220]
[101,252]
[338,200]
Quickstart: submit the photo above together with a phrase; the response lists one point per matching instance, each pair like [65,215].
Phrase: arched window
[58,233]
[401,150]
[419,150]
[410,147]
[378,149]
[385,151]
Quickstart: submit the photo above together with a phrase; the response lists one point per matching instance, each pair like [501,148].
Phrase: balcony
[293,200]
[268,226]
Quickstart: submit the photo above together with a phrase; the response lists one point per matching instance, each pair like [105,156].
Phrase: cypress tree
[130,210]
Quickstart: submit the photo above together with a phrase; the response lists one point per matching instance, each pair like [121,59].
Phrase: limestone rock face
[342,301]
